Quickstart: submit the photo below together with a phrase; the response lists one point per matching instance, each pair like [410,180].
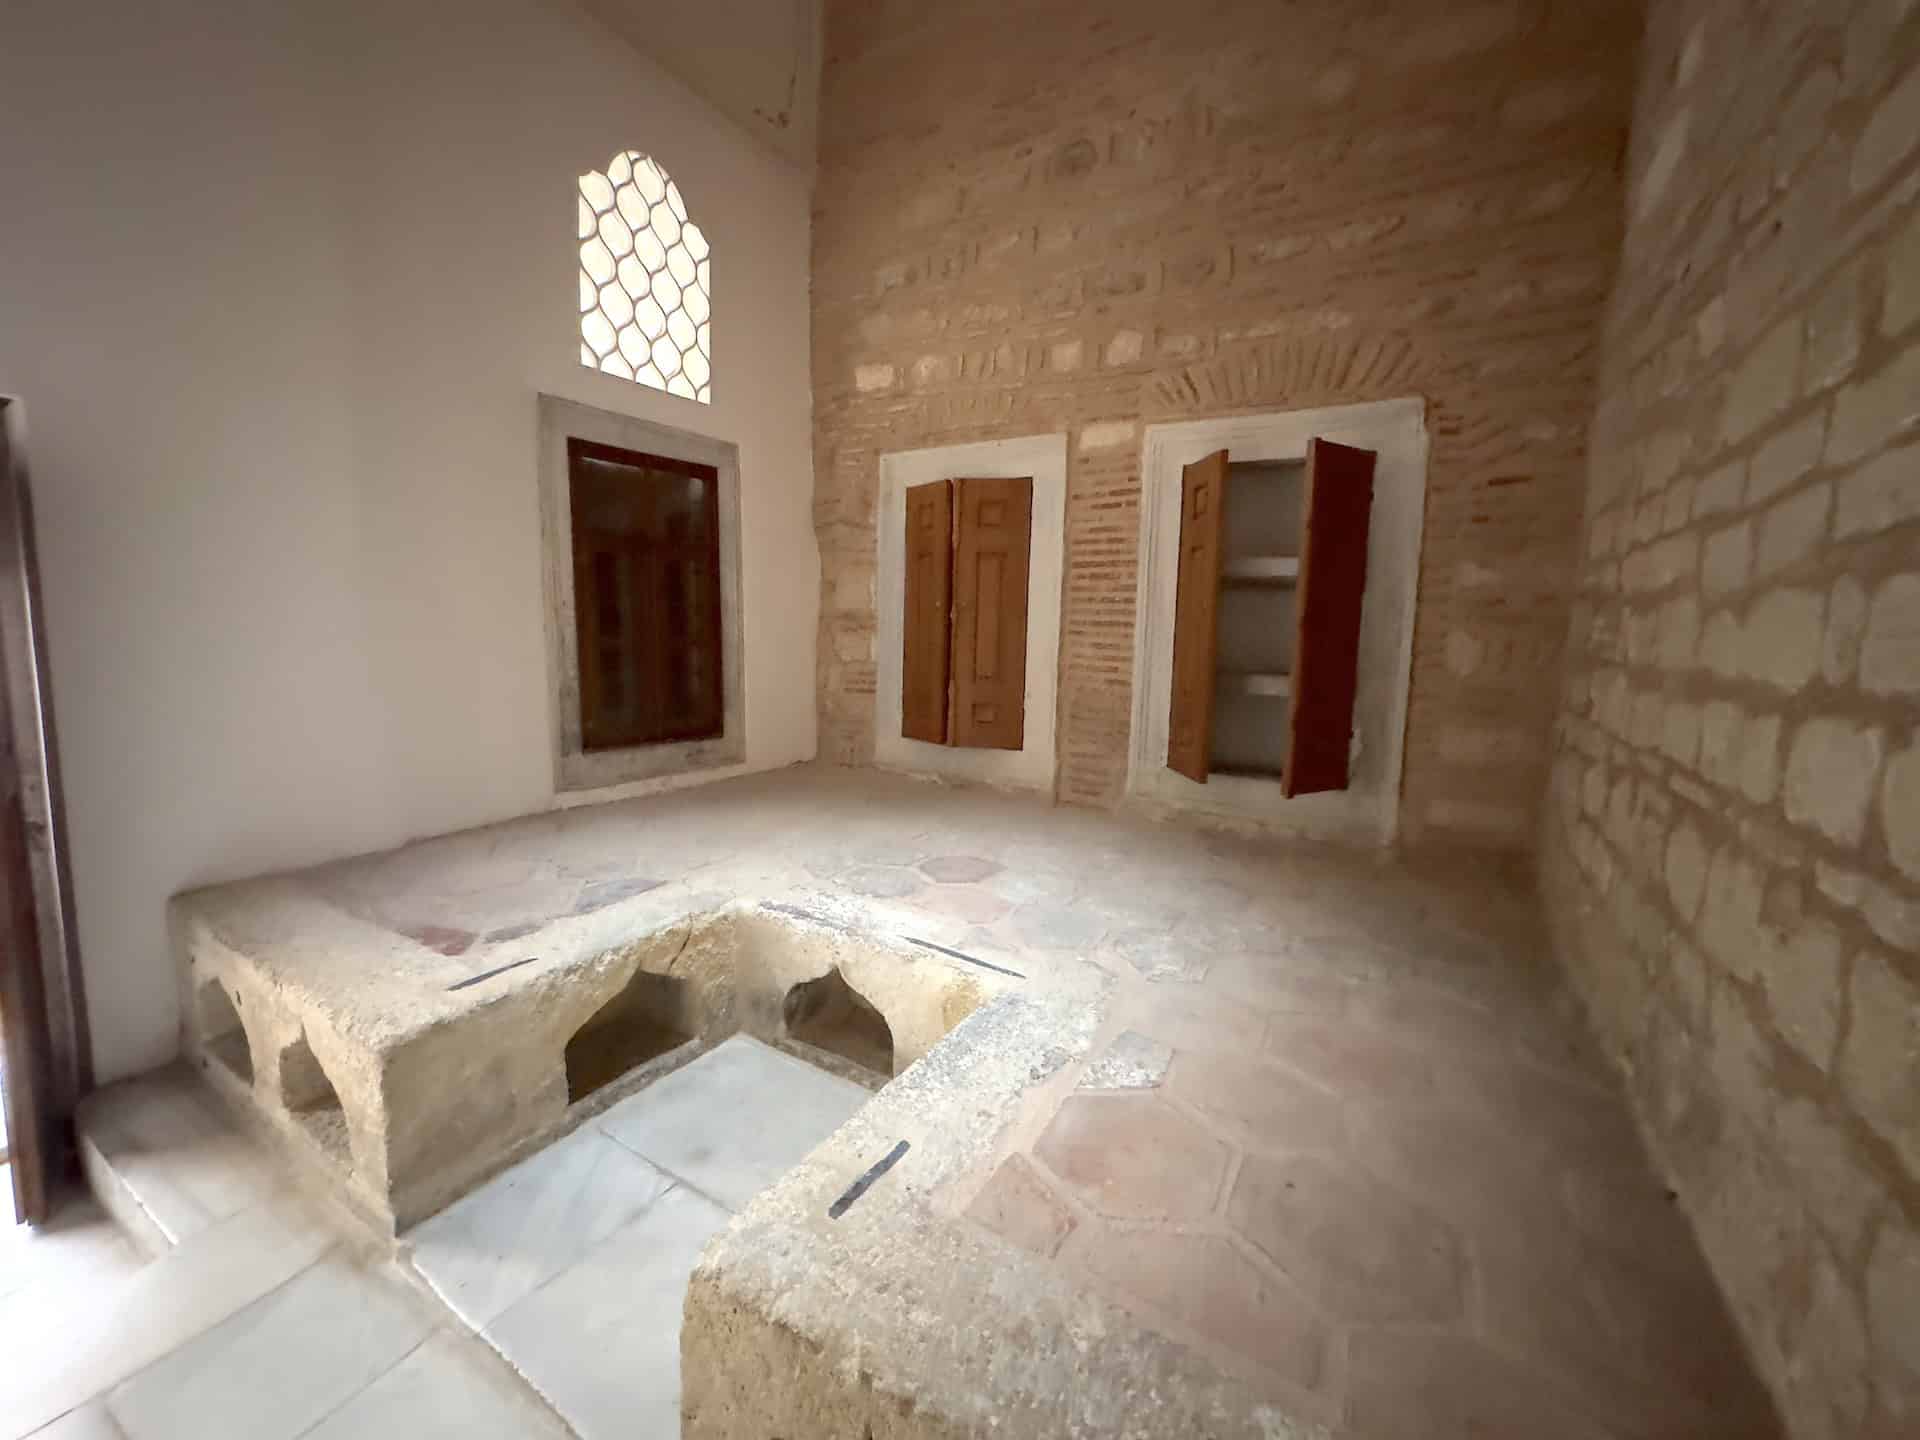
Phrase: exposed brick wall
[1732,845]
[1096,215]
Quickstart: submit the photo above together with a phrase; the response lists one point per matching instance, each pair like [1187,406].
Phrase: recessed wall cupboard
[1266,635]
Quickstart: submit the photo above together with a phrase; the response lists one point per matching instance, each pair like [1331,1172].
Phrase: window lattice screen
[645,284]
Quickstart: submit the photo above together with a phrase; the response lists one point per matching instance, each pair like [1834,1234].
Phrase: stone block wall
[1732,845]
[1092,215]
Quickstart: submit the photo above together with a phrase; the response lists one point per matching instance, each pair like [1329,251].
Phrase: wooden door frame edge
[23,650]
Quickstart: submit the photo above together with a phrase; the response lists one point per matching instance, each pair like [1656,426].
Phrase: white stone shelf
[1261,570]
[1274,684]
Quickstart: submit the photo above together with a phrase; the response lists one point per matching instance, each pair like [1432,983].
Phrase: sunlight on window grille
[645,284]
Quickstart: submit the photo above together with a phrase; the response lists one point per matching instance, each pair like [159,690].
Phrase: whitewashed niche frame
[1034,764]
[1368,810]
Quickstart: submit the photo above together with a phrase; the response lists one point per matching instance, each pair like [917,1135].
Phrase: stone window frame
[1368,811]
[574,767]
[1044,459]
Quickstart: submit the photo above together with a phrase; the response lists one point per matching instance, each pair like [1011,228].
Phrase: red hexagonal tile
[1204,1283]
[958,869]
[1263,1105]
[1133,1157]
[1354,1061]
[1018,1205]
[1190,1020]
[1418,1386]
[1648,1346]
[1453,1159]
[1348,1240]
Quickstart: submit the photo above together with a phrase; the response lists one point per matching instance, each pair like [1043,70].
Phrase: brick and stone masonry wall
[1732,845]
[1093,215]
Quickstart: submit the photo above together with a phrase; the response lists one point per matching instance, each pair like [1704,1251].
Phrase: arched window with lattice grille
[645,280]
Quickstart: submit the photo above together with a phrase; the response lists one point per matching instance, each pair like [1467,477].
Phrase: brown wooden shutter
[1196,612]
[929,601]
[1333,581]
[994,538]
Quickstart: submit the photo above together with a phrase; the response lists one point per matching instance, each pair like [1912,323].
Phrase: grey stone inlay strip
[860,1187]
[962,955]
[489,974]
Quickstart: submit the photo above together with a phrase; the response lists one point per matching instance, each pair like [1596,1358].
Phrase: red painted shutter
[994,539]
[929,599]
[1196,610]
[1333,582]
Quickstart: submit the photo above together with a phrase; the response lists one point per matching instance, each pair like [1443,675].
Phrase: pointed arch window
[645,280]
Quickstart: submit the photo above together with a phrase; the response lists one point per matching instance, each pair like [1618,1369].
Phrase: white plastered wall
[1044,458]
[1368,810]
[278,287]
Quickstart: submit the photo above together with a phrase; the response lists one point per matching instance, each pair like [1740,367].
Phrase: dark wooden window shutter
[993,538]
[1203,496]
[928,616]
[1333,580]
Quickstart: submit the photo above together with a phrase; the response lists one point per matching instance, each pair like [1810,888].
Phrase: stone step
[165,1159]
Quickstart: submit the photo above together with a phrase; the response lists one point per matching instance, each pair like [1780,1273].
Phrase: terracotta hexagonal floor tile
[1194,1020]
[1649,1347]
[1354,1061]
[1416,1387]
[958,869]
[1017,1205]
[1280,983]
[1550,1116]
[882,882]
[1204,1283]
[1451,1158]
[1133,1157]
[444,938]
[1348,1240]
[1265,1106]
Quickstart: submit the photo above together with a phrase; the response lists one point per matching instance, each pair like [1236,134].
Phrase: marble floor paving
[259,1317]
[573,1264]
[1341,1130]
[251,1317]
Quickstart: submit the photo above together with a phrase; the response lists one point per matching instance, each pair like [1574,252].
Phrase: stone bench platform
[1186,1133]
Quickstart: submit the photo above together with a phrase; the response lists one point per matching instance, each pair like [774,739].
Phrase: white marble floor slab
[574,1263]
[274,1369]
[527,1224]
[173,1147]
[450,1388]
[83,1344]
[735,1120]
[89,1422]
[257,1325]
[602,1340]
[78,1246]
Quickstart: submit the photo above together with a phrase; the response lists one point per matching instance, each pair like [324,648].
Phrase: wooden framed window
[646,585]
[1267,611]
[964,662]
